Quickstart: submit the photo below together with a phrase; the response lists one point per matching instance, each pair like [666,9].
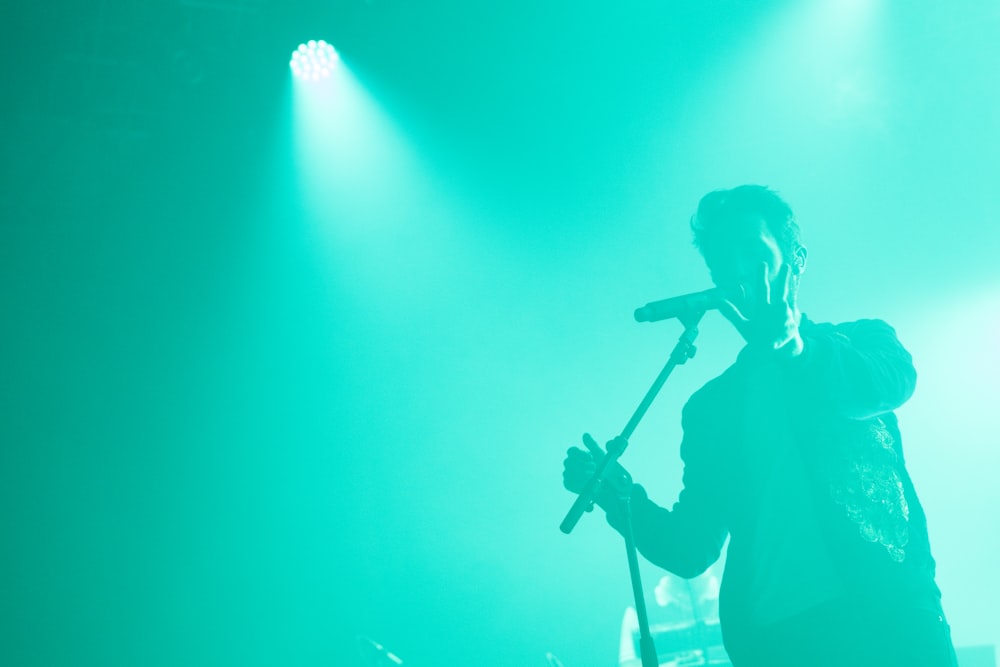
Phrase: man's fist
[579,466]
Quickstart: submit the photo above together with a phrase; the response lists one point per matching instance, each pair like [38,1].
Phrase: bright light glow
[313,60]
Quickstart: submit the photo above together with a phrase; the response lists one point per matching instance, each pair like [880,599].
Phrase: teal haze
[304,362]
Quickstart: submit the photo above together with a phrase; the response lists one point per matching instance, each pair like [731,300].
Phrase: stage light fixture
[313,60]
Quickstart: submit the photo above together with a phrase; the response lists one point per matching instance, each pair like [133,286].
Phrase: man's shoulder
[716,390]
[872,334]
[865,325]
[722,388]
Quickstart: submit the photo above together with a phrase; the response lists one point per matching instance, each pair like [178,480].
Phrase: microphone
[679,305]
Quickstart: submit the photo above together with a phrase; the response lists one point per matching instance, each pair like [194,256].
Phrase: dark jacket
[838,398]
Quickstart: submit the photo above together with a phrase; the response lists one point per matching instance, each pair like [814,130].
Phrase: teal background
[284,364]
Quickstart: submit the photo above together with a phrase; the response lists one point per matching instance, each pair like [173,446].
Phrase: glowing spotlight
[313,60]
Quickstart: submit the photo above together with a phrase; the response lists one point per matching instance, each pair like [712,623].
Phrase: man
[794,453]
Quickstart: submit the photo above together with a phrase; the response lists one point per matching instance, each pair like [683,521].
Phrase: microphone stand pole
[683,351]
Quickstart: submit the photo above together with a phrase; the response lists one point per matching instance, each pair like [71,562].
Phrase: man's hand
[769,318]
[579,466]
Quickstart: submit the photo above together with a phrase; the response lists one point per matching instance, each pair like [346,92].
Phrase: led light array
[313,60]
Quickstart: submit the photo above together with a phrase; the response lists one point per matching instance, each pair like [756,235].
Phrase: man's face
[740,262]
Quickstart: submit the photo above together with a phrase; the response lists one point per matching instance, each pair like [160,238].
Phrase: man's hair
[721,211]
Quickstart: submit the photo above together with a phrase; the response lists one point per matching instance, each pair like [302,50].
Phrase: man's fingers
[733,314]
[592,446]
[785,280]
[582,470]
[578,462]
[765,283]
[730,309]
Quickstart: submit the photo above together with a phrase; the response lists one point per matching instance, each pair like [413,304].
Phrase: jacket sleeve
[859,369]
[687,539]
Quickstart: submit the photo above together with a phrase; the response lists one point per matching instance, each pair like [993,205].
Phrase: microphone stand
[683,350]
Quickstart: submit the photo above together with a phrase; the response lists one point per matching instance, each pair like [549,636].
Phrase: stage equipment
[313,60]
[689,316]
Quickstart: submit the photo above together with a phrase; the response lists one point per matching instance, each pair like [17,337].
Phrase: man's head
[739,230]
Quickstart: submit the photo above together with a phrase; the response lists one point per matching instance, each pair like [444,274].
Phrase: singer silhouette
[794,454]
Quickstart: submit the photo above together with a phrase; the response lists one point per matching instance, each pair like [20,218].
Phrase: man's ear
[799,260]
